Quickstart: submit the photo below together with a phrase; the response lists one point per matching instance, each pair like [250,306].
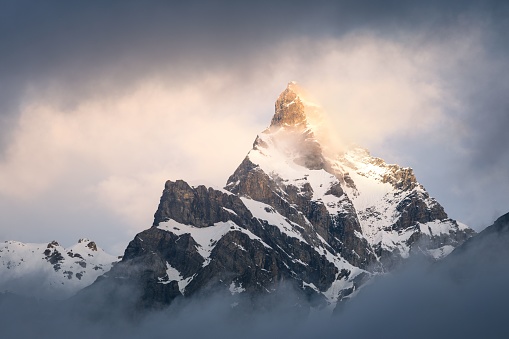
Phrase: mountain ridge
[292,212]
[50,271]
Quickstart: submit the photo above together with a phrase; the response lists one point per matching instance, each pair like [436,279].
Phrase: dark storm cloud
[480,84]
[74,44]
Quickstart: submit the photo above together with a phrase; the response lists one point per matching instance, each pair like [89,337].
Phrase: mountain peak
[325,224]
[289,107]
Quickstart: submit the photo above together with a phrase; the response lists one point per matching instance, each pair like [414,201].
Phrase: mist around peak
[300,115]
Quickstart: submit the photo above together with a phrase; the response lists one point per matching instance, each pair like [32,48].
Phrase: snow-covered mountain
[297,211]
[391,207]
[50,270]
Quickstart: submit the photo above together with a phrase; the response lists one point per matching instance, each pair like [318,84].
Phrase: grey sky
[101,102]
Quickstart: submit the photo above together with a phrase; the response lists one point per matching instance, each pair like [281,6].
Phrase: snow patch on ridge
[172,274]
[234,289]
[442,252]
[435,227]
[207,237]
[266,212]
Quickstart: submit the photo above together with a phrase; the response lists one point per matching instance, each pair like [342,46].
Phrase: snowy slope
[50,270]
[297,152]
[377,189]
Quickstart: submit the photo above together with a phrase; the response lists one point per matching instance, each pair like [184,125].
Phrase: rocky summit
[295,212]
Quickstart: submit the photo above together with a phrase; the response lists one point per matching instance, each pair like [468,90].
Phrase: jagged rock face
[240,252]
[413,209]
[50,270]
[289,108]
[289,213]
[295,203]
[200,207]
